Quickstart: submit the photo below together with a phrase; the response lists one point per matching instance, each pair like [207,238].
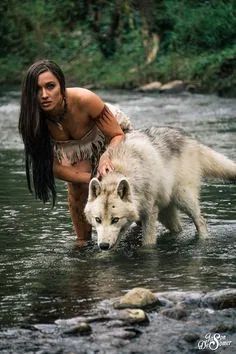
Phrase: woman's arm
[70,173]
[107,123]
[105,164]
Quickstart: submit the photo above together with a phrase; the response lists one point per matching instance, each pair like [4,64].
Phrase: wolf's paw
[203,233]
[176,229]
[149,242]
[149,246]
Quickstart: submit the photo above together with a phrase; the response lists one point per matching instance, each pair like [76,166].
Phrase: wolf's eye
[114,220]
[98,220]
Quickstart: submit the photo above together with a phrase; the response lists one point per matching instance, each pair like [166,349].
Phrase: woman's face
[49,92]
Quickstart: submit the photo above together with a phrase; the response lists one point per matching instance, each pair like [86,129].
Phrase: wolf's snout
[104,246]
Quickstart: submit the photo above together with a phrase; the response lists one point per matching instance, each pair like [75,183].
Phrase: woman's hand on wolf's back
[105,166]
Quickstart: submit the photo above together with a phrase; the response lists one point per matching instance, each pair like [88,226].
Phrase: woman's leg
[77,198]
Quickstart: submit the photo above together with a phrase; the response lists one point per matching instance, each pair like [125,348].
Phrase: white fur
[156,174]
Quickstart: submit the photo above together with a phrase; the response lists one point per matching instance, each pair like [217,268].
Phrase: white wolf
[156,173]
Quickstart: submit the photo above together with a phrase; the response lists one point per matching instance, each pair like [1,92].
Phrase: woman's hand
[105,166]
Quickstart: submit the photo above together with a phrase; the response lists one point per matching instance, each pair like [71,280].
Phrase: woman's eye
[98,220]
[114,220]
[50,86]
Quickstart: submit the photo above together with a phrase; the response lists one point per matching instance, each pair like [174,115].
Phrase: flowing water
[44,276]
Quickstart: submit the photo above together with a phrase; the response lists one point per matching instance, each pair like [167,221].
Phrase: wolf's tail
[217,165]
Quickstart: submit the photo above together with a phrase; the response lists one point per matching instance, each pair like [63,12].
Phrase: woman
[64,131]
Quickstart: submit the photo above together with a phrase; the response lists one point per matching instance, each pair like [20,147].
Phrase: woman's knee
[79,191]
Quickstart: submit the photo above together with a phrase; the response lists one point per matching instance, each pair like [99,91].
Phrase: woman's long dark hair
[35,134]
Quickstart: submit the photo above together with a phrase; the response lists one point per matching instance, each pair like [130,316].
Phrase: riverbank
[204,73]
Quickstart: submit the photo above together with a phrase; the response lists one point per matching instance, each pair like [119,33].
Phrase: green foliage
[106,43]
[202,25]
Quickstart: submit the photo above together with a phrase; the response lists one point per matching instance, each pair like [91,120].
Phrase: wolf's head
[110,209]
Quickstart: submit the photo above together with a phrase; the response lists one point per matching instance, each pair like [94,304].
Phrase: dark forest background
[123,43]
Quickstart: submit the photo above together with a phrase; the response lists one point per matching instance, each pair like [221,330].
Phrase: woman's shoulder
[79,92]
[80,95]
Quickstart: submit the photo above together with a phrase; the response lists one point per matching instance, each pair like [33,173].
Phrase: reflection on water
[44,276]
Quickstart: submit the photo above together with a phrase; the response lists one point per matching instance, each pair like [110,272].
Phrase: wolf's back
[172,142]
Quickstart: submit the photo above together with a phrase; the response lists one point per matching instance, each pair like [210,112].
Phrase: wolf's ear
[123,189]
[94,189]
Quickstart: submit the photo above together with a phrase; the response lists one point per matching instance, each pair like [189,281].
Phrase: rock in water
[152,86]
[222,299]
[177,313]
[82,328]
[137,298]
[175,86]
[133,316]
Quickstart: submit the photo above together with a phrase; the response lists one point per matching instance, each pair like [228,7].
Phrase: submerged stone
[137,298]
[191,337]
[125,333]
[82,328]
[133,316]
[188,298]
[176,313]
[224,327]
[222,299]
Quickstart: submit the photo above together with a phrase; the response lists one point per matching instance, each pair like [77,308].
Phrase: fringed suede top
[92,144]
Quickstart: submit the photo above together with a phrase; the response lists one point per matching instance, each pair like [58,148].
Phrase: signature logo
[213,341]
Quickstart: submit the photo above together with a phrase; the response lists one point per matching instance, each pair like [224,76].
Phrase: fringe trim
[70,152]
[93,144]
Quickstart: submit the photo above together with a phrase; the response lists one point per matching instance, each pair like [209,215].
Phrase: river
[44,276]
